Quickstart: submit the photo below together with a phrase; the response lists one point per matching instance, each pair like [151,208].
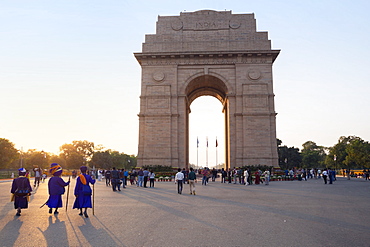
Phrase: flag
[216,143]
[197,142]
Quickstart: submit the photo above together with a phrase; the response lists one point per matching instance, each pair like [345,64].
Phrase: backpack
[86,190]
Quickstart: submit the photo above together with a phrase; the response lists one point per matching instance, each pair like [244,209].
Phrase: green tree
[358,152]
[33,158]
[313,156]
[108,159]
[288,157]
[8,154]
[102,159]
[77,153]
[337,154]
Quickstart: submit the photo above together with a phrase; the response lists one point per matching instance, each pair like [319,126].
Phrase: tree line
[71,156]
[350,152]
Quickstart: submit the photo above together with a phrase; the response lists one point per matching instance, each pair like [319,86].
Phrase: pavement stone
[284,213]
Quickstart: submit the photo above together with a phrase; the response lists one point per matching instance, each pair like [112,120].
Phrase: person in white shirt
[246,174]
[179,177]
[325,176]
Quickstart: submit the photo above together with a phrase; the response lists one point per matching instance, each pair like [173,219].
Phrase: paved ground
[286,213]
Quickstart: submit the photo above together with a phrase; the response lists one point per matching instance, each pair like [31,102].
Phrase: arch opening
[208,153]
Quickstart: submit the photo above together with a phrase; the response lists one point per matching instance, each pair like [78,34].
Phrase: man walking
[38,174]
[192,178]
[179,177]
[115,180]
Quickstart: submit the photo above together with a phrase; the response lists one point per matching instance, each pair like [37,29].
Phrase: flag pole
[197,152]
[207,154]
[216,153]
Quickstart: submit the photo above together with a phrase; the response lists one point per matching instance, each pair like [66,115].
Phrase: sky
[67,71]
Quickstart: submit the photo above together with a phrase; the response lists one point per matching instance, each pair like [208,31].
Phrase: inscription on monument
[205,25]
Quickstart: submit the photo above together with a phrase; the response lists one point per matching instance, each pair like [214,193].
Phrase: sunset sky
[67,71]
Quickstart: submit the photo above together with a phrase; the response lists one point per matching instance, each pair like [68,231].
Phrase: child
[21,189]
[56,188]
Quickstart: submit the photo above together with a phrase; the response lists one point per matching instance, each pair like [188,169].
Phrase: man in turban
[83,191]
[56,188]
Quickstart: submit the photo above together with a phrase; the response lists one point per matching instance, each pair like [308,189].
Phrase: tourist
[146,176]
[21,190]
[185,175]
[205,176]
[192,178]
[133,176]
[257,177]
[56,188]
[246,175]
[331,176]
[266,176]
[214,174]
[38,175]
[235,174]
[140,178]
[179,177]
[229,175]
[125,176]
[107,175]
[115,180]
[151,179]
[223,175]
[325,176]
[122,178]
[44,176]
[83,191]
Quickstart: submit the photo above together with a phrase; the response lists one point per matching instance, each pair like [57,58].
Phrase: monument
[214,53]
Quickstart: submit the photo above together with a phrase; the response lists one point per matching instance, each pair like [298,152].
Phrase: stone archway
[206,85]
[207,53]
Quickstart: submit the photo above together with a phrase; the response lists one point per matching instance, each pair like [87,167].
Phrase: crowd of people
[119,178]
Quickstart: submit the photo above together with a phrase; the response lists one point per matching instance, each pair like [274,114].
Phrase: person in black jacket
[115,180]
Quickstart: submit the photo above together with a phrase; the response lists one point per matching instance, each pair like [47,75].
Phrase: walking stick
[93,202]
[69,180]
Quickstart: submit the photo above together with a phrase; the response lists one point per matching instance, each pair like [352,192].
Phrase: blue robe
[82,201]
[20,183]
[56,190]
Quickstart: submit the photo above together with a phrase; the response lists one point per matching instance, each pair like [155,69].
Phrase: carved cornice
[250,57]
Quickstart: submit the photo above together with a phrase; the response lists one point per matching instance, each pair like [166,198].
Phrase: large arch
[206,85]
[207,53]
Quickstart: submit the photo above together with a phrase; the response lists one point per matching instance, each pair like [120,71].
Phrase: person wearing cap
[21,189]
[82,193]
[56,188]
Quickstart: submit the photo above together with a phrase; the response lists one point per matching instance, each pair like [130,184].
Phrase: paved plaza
[285,213]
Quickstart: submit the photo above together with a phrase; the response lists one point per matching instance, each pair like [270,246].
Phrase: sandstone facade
[207,53]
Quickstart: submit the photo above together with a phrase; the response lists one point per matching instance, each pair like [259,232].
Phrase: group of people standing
[138,177]
[21,190]
[245,177]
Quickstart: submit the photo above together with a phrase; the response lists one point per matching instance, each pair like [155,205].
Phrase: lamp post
[286,163]
[21,157]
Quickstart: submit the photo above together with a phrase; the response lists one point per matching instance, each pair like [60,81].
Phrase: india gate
[213,53]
